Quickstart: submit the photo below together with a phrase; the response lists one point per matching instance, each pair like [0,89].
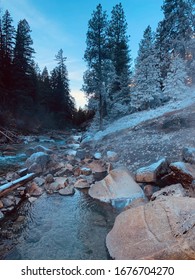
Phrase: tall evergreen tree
[175,83]
[119,48]
[147,71]
[23,65]
[175,31]
[62,102]
[95,55]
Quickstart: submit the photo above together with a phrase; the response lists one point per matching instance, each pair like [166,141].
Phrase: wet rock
[22,172]
[99,169]
[20,219]
[151,173]
[70,153]
[81,154]
[39,181]
[173,190]
[32,199]
[53,187]
[77,171]
[188,154]
[1,215]
[49,179]
[67,191]
[76,138]
[34,190]
[8,201]
[117,185]
[112,156]
[159,230]
[1,204]
[11,176]
[97,156]
[43,149]
[184,172]
[82,184]
[86,171]
[37,162]
[73,146]
[59,183]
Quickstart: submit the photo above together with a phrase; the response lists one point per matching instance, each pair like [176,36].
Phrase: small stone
[148,190]
[39,181]
[189,154]
[82,184]
[49,179]
[97,156]
[112,156]
[32,199]
[20,219]
[80,154]
[77,171]
[22,172]
[1,215]
[7,202]
[34,190]
[67,191]
[11,176]
[86,171]
[1,204]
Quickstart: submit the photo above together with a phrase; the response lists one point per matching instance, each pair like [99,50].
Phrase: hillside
[145,137]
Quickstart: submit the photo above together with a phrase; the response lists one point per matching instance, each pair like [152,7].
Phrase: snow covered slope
[135,119]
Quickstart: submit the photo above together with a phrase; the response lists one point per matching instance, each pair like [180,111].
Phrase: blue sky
[62,24]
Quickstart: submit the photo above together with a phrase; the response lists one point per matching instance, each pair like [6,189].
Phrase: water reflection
[58,227]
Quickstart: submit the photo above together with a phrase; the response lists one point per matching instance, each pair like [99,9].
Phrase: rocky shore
[156,200]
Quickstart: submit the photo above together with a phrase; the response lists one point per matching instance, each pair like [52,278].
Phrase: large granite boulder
[161,229]
[117,185]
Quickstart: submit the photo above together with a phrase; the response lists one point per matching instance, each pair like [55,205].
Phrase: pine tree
[119,49]
[175,31]
[175,83]
[62,103]
[23,67]
[147,73]
[95,55]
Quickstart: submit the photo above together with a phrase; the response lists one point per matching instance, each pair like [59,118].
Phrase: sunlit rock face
[118,187]
[162,229]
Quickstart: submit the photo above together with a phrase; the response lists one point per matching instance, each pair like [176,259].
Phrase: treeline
[164,68]
[30,98]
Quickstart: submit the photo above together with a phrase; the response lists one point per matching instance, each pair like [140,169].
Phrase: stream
[56,227]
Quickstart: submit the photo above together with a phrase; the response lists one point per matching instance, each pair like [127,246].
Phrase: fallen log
[6,188]
[4,134]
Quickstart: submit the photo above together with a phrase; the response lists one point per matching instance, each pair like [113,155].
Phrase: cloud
[46,29]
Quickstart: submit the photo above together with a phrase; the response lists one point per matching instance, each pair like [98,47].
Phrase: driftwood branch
[4,134]
[6,188]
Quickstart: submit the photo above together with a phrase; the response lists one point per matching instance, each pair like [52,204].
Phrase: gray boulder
[37,162]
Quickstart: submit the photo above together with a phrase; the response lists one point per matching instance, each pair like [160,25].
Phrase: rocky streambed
[87,200]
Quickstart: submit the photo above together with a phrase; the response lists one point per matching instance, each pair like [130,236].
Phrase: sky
[62,24]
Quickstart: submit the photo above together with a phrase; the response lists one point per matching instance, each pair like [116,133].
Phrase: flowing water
[56,227]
